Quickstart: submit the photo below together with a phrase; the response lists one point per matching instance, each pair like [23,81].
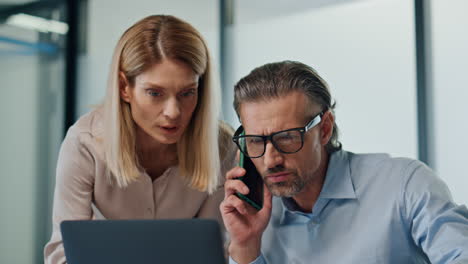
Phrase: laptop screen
[143,241]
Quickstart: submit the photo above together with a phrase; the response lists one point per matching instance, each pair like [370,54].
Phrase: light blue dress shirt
[372,209]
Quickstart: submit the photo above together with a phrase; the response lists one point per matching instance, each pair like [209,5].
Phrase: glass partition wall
[397,69]
[32,73]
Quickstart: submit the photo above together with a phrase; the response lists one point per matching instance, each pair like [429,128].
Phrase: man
[330,206]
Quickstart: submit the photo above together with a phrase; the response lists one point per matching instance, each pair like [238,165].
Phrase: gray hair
[273,80]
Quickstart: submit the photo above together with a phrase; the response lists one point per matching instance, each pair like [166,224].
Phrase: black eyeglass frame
[302,130]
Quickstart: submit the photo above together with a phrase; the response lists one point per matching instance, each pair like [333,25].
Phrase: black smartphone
[254,182]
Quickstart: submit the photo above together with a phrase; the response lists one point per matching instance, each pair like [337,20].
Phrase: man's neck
[308,196]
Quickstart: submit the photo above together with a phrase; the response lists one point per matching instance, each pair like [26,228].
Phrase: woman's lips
[278,177]
[169,129]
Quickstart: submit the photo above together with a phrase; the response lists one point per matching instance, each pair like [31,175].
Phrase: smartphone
[254,182]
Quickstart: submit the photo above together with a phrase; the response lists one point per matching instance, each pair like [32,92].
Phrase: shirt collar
[338,183]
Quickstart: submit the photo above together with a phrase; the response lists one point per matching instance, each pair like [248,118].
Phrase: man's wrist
[245,253]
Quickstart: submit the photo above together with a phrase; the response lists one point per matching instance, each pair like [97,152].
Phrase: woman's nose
[172,108]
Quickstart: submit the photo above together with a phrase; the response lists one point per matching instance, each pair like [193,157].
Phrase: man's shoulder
[381,161]
[381,169]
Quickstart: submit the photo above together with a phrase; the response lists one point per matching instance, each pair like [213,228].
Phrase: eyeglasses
[286,141]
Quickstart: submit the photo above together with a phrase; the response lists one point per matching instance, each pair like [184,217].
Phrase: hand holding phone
[254,182]
[245,225]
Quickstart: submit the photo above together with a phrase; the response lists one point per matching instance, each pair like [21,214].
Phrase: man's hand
[244,223]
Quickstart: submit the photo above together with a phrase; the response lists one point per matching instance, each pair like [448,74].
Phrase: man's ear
[326,127]
[124,88]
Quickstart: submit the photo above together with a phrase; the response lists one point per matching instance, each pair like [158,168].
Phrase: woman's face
[163,99]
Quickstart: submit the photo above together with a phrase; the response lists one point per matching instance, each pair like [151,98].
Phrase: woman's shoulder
[225,142]
[86,134]
[227,148]
[225,131]
[89,124]
[83,144]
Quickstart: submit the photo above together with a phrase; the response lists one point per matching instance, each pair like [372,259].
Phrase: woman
[151,150]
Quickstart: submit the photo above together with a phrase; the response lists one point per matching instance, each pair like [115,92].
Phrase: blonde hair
[144,44]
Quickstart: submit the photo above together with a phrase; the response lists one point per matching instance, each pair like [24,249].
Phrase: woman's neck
[152,153]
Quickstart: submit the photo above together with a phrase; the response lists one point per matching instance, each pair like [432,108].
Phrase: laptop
[194,241]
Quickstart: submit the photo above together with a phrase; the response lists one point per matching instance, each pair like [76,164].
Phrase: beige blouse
[82,190]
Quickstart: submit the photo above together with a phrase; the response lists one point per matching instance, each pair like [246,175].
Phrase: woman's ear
[124,88]
[326,127]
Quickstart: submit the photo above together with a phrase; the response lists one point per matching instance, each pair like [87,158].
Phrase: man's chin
[282,189]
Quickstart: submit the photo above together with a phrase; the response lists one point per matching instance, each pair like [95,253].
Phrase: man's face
[286,174]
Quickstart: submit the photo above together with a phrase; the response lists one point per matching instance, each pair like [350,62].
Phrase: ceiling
[6,4]
[33,7]
[248,11]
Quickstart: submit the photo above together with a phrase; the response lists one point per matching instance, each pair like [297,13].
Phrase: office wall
[31,110]
[450,79]
[364,49]
[108,19]
[18,158]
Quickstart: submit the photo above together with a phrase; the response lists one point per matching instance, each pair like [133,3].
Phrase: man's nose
[272,156]
[172,108]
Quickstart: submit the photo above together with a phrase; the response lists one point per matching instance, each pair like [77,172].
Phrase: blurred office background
[397,68]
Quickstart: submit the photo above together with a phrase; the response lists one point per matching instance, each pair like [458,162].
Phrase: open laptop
[193,241]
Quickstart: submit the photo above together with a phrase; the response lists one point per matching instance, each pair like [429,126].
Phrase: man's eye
[287,137]
[255,140]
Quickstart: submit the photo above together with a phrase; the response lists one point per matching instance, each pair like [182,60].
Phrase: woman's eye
[153,93]
[188,93]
